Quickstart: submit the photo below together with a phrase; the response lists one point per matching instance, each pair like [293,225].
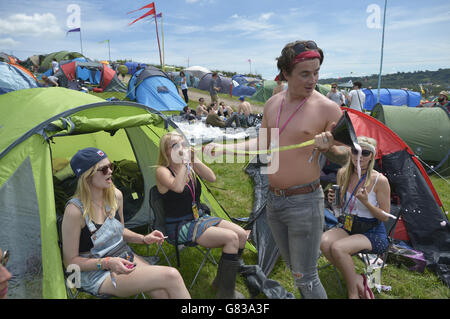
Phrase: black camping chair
[159,223]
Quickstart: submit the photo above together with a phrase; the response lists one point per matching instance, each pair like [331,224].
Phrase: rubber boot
[225,281]
[219,268]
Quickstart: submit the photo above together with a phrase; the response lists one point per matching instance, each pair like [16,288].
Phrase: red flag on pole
[152,11]
[150,6]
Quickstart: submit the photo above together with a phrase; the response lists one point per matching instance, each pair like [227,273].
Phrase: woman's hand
[213,150]
[119,265]
[154,237]
[362,195]
[331,195]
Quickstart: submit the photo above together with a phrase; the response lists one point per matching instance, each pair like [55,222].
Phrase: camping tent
[132,66]
[153,87]
[14,61]
[95,72]
[264,92]
[391,97]
[59,56]
[425,130]
[197,71]
[13,78]
[243,90]
[412,192]
[225,84]
[191,80]
[59,122]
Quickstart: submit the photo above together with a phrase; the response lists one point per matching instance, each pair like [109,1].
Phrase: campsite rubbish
[402,254]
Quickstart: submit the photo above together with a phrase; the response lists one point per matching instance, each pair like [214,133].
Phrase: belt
[294,191]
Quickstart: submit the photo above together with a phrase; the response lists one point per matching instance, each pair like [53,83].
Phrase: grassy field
[234,190]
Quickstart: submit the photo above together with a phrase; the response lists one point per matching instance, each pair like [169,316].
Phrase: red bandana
[306,55]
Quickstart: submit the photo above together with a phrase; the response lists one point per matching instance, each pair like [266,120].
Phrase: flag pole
[162,35]
[382,48]
[81,43]
[157,37]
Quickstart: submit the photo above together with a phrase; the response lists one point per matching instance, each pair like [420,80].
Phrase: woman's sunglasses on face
[365,153]
[104,169]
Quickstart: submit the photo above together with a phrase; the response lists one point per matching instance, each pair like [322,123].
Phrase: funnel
[344,131]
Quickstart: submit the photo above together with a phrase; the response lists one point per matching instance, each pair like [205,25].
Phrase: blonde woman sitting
[364,200]
[176,179]
[94,237]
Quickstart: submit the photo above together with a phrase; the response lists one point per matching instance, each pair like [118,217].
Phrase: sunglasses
[365,153]
[333,87]
[5,258]
[104,169]
[304,46]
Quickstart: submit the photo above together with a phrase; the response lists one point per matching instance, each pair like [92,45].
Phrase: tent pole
[382,48]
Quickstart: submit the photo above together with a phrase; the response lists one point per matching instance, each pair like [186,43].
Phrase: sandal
[367,288]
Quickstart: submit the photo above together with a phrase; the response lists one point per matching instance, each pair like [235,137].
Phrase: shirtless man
[201,108]
[295,202]
[244,107]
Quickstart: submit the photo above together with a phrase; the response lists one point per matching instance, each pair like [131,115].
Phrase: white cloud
[8,42]
[266,16]
[30,25]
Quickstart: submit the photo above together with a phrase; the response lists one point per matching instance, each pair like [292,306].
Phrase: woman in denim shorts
[94,237]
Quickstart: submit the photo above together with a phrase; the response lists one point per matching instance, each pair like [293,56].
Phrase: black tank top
[177,205]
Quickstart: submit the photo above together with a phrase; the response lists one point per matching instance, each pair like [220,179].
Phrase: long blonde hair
[163,160]
[346,172]
[83,193]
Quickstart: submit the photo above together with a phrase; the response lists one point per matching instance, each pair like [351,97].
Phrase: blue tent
[132,66]
[243,90]
[239,78]
[391,97]
[153,87]
[12,79]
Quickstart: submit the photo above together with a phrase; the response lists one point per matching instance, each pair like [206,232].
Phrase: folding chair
[159,224]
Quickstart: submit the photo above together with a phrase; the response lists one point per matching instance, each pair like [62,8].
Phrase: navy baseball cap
[242,98]
[86,158]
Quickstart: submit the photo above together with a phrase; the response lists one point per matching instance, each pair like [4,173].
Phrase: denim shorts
[91,281]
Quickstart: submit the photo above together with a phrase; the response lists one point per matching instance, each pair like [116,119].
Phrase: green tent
[59,56]
[264,92]
[425,130]
[38,128]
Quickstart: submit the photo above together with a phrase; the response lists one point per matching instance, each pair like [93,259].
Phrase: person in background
[356,98]
[213,119]
[335,95]
[5,275]
[213,89]
[226,109]
[443,100]
[184,87]
[279,88]
[201,108]
[55,66]
[50,80]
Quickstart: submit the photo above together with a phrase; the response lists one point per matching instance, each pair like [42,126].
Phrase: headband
[306,55]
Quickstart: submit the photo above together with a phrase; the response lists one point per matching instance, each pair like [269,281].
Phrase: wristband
[99,264]
[106,263]
[143,239]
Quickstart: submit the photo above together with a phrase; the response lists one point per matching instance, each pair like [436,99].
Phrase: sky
[238,36]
